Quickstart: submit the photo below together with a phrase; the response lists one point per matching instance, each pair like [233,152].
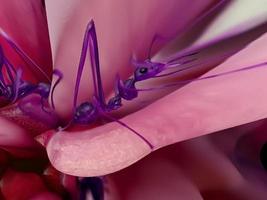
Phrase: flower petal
[14,136]
[122,30]
[25,23]
[21,185]
[199,108]
[237,17]
[155,177]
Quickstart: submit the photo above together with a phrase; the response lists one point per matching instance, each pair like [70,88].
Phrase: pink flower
[208,167]
[196,109]
[25,170]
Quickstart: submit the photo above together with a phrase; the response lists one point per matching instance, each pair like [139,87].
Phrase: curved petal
[199,108]
[25,23]
[155,177]
[237,17]
[12,135]
[122,30]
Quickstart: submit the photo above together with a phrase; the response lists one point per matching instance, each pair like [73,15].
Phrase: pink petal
[21,185]
[237,17]
[22,121]
[200,108]
[25,23]
[156,177]
[46,196]
[60,183]
[122,30]
[14,136]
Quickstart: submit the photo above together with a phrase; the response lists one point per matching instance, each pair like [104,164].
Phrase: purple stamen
[16,85]
[42,89]
[9,73]
[13,87]
[10,70]
[9,65]
[23,55]
[60,76]
[94,58]
[90,39]
[80,69]
[2,64]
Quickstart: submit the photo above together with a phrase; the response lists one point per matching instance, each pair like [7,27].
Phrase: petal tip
[45,137]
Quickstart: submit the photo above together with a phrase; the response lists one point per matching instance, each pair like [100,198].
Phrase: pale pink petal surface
[201,108]
[209,163]
[197,109]
[121,34]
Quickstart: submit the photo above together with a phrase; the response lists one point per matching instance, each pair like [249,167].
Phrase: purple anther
[114,103]
[26,89]
[43,89]
[86,113]
[126,89]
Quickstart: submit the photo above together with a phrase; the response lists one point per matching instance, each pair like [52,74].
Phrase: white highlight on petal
[57,19]
[237,17]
